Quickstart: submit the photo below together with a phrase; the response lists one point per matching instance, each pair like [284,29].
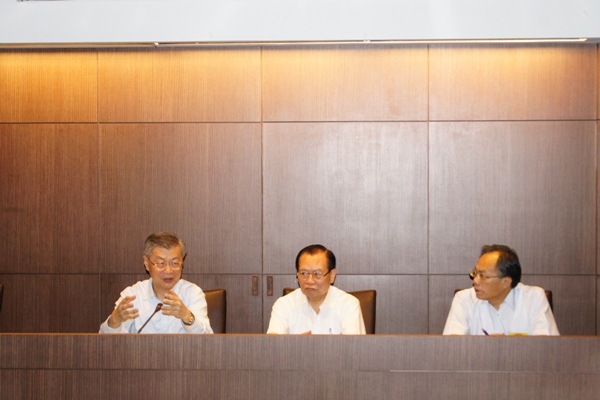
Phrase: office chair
[216,301]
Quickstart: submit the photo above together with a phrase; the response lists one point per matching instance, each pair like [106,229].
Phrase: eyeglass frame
[305,274]
[474,272]
[171,264]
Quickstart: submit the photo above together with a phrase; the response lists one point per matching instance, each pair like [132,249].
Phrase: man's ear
[332,276]
[507,281]
[146,264]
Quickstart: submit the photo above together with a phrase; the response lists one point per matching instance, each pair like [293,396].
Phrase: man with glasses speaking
[164,303]
[498,304]
[316,307]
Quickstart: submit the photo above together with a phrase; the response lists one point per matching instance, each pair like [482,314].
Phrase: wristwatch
[191,320]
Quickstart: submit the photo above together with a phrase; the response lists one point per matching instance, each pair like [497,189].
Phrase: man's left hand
[174,306]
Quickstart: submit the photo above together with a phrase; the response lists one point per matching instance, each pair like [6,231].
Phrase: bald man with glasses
[164,303]
[316,307]
[498,304]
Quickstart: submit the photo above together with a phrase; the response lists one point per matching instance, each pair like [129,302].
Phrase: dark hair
[508,262]
[165,240]
[317,248]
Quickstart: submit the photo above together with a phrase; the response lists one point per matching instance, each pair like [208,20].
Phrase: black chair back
[216,301]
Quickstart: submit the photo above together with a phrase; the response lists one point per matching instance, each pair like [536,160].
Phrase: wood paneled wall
[56,366]
[403,160]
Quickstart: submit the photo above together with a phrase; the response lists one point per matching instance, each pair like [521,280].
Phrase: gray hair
[165,240]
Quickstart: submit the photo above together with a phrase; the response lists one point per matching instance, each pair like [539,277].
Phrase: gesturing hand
[122,312]
[174,306]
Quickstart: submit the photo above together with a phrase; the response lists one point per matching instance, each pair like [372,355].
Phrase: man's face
[315,289]
[487,284]
[163,279]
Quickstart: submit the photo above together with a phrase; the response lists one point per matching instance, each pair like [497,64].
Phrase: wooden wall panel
[391,199]
[598,306]
[243,309]
[401,299]
[358,188]
[201,181]
[375,353]
[236,384]
[49,198]
[530,185]
[23,384]
[175,85]
[535,82]
[359,83]
[460,385]
[49,303]
[48,86]
[345,367]
[573,297]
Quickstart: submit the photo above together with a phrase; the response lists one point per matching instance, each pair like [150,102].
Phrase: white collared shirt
[146,301]
[524,311]
[339,313]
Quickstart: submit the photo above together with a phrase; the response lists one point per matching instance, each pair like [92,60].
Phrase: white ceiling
[86,22]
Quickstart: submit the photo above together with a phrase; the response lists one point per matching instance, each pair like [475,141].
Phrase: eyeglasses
[473,273]
[316,274]
[161,265]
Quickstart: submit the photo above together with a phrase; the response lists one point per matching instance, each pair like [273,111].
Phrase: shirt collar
[329,299]
[148,291]
[509,300]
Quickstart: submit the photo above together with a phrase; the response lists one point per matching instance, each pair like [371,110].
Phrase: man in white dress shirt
[164,303]
[316,307]
[498,304]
